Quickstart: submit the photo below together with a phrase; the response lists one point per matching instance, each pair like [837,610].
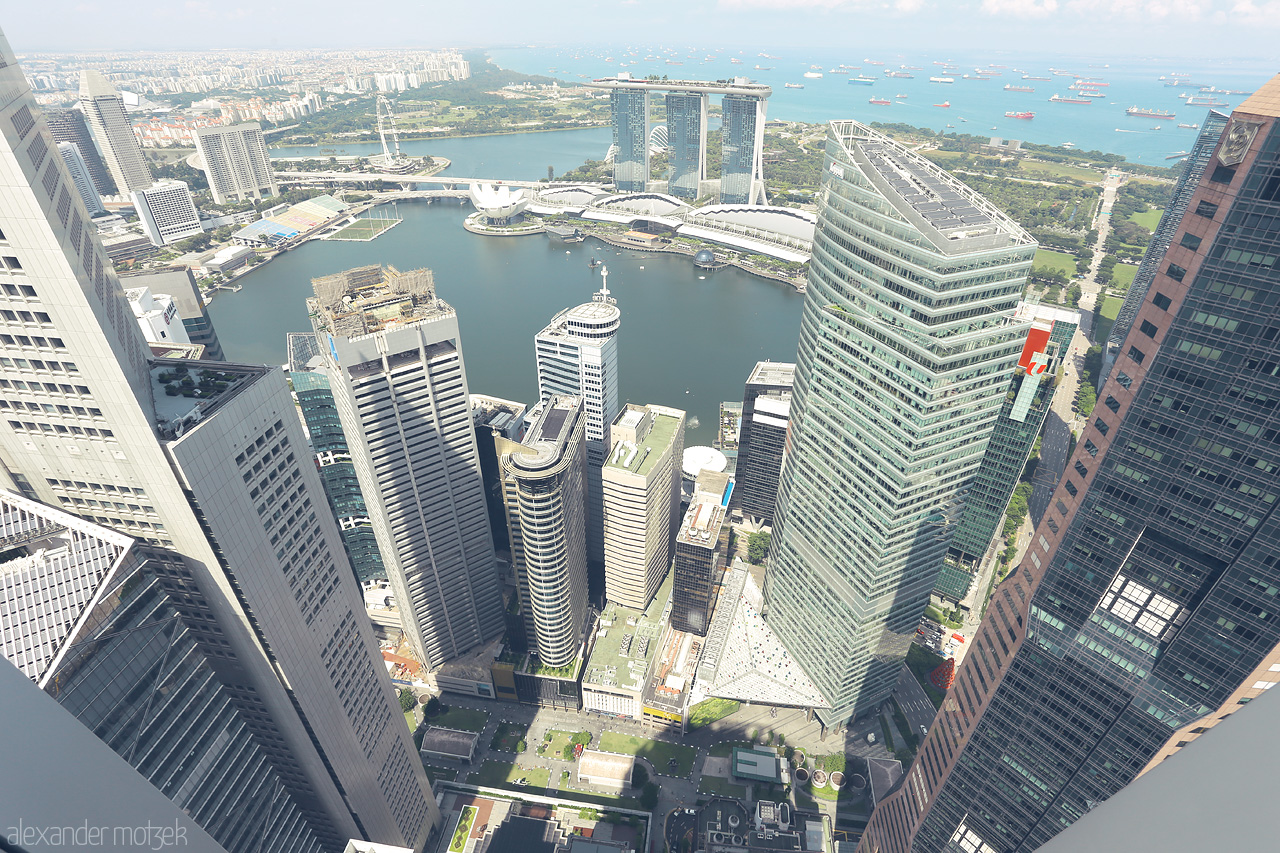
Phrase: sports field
[364,229]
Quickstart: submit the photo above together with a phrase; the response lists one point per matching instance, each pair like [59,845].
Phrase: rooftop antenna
[602,295]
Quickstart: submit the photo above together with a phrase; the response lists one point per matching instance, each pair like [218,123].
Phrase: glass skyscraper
[1145,610]
[741,148]
[762,437]
[686,142]
[907,342]
[630,112]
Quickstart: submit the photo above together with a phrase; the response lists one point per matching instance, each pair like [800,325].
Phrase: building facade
[69,126]
[641,489]
[236,162]
[394,359]
[629,109]
[577,355]
[907,342]
[1026,405]
[686,143]
[79,171]
[101,436]
[180,286]
[157,316]
[544,492]
[762,437]
[700,548]
[742,149]
[105,115]
[167,211]
[1143,613]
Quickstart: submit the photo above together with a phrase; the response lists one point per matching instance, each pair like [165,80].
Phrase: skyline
[1219,29]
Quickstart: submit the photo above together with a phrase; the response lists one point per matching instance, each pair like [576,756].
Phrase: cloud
[1248,12]
[1144,10]
[1020,8]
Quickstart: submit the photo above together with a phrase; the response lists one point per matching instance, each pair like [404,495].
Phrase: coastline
[434,136]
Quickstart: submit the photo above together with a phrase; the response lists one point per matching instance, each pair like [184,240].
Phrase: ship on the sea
[1089,93]
[1008,87]
[1058,99]
[813,75]
[942,79]
[1189,126]
[861,80]
[1143,112]
[872,62]
[946,105]
[793,85]
[881,102]
[1024,114]
[1029,77]
[1205,101]
[903,74]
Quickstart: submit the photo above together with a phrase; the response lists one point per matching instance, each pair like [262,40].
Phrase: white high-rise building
[236,162]
[394,358]
[577,355]
[167,211]
[641,506]
[104,112]
[210,462]
[79,170]
[158,316]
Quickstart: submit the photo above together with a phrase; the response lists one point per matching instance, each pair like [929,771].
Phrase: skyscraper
[907,342]
[686,143]
[641,501]
[203,460]
[167,211]
[742,149]
[69,126]
[1026,404]
[105,115]
[236,162]
[630,112]
[544,491]
[699,554]
[1144,611]
[762,437]
[577,355]
[394,359]
[79,171]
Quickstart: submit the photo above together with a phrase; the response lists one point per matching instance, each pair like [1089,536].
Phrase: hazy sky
[1208,29]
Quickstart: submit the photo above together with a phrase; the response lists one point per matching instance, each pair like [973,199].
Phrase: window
[1062,508]
[1112,403]
[1161,301]
[1101,425]
[1123,379]
[1223,175]
[1080,469]
[1091,447]
[1070,487]
[1190,241]
[1176,272]
[1136,354]
[1207,209]
[1271,190]
[1149,329]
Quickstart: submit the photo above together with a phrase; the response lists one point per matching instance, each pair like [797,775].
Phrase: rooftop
[702,523]
[547,437]
[1265,101]
[185,394]
[626,643]
[773,373]
[369,299]
[449,741]
[641,456]
[606,765]
[738,86]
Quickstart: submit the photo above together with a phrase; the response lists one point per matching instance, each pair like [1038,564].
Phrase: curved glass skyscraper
[907,344]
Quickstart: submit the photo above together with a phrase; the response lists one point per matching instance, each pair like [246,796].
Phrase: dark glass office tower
[686,143]
[630,112]
[69,126]
[1025,406]
[766,412]
[742,154]
[1145,611]
[701,543]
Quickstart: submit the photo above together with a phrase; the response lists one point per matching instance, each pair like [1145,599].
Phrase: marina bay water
[689,338]
[977,106]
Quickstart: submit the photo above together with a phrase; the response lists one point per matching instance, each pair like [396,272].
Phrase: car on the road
[871,737]
[923,731]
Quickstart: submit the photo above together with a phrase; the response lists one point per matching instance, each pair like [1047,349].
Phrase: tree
[407,700]
[649,798]
[551,172]
[433,707]
[639,776]
[758,547]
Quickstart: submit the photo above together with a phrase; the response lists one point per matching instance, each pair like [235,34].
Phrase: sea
[977,106]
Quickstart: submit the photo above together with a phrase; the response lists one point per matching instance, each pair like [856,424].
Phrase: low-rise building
[157,316]
[725,825]
[607,770]
[626,644]
[452,744]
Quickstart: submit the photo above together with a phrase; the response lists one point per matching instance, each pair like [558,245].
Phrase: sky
[1207,29]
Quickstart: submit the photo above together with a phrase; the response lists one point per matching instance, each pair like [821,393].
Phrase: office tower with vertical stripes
[1144,611]
[907,343]
[79,171]
[762,438]
[630,112]
[105,115]
[742,149]
[236,162]
[69,126]
[686,143]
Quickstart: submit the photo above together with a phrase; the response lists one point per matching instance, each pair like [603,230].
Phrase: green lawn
[410,721]
[463,830]
[508,737]
[804,800]
[1059,261]
[724,750]
[555,747]
[723,787]
[1107,315]
[462,719]
[656,752]
[1148,220]
[1123,275]
[1058,170]
[709,710]
[502,774]
[922,662]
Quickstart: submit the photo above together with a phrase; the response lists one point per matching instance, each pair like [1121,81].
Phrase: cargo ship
[871,62]
[793,85]
[1190,126]
[881,102]
[1091,94]
[1029,77]
[1202,101]
[942,79]
[1011,88]
[902,74]
[1142,112]
[1026,115]
[1058,99]
[946,105]
[861,81]
[813,75]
